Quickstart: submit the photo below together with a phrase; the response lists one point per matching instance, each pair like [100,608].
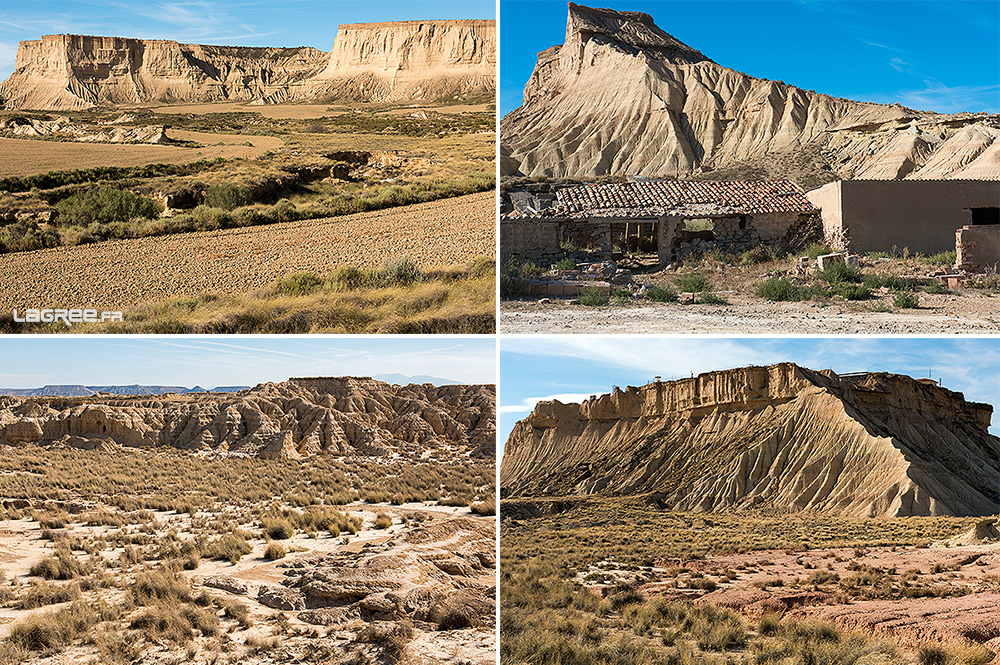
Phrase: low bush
[104,206]
[383,521]
[840,273]
[566,263]
[661,294]
[229,547]
[693,283]
[278,529]
[227,196]
[779,289]
[275,551]
[851,291]
[593,297]
[906,301]
[758,254]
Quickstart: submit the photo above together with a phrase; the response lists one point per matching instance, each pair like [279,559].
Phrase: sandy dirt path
[971,313]
[125,273]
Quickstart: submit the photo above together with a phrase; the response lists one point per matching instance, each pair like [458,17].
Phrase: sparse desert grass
[549,618]
[275,551]
[394,298]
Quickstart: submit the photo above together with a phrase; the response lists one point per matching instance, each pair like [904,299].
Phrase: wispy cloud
[936,96]
[527,405]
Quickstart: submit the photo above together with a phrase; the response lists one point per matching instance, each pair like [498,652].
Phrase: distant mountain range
[136,389]
[402,379]
[133,389]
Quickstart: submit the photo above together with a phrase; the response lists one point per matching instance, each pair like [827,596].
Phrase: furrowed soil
[20,157]
[125,273]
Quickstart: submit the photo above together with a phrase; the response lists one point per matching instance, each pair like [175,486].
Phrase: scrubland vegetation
[125,529]
[551,552]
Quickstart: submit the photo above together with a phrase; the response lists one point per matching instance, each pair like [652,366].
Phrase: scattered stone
[327,616]
[281,598]
[686,298]
[230,584]
[826,260]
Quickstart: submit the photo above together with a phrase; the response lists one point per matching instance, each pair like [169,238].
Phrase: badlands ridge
[623,97]
[382,62]
[292,419]
[784,437]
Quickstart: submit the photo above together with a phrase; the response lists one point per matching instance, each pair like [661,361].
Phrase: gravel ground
[969,313]
[125,273]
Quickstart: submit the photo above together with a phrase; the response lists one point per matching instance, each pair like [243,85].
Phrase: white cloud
[527,405]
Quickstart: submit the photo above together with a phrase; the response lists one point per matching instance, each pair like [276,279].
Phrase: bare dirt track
[971,312]
[125,273]
[20,157]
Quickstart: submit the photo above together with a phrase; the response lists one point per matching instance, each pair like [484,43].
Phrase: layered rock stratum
[292,419]
[384,62]
[783,437]
[623,97]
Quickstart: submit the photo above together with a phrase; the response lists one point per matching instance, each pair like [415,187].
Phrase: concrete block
[825,261]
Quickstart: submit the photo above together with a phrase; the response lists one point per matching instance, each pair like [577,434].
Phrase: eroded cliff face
[409,60]
[68,72]
[295,418]
[780,436]
[622,97]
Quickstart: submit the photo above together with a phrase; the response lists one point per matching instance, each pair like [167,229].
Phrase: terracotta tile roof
[685,197]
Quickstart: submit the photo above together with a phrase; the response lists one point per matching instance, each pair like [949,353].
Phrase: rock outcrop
[781,437]
[295,418]
[386,62]
[408,60]
[623,97]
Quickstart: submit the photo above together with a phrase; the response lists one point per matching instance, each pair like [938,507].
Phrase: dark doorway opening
[985,216]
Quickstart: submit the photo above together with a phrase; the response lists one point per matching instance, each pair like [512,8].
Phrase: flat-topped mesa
[70,72]
[385,62]
[783,436]
[296,418]
[408,60]
[623,97]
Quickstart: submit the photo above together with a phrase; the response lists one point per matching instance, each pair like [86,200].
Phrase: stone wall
[977,248]
[530,240]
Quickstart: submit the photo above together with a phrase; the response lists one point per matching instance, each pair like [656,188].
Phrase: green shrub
[298,284]
[227,196]
[693,283]
[942,259]
[758,254]
[26,235]
[248,216]
[594,297]
[936,287]
[906,301]
[851,291]
[891,282]
[779,289]
[566,263]
[815,250]
[345,278]
[515,279]
[710,298]
[208,218]
[840,273]
[105,205]
[661,294]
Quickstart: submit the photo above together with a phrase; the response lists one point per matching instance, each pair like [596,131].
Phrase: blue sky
[228,22]
[29,362]
[929,55]
[572,368]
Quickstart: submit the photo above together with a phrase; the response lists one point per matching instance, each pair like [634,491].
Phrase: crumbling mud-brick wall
[977,248]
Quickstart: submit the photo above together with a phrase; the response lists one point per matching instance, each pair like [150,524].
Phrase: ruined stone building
[925,216]
[669,217]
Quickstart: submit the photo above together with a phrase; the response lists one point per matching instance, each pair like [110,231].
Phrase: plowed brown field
[125,273]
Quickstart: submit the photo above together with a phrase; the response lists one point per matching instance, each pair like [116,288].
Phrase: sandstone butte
[292,419]
[623,97]
[781,437]
[383,62]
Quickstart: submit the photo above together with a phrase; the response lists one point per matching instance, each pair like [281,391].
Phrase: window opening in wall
[985,216]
